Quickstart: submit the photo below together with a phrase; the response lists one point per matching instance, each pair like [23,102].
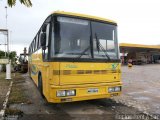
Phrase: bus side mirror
[43,41]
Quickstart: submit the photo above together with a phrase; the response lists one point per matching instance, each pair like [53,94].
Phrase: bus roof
[84,16]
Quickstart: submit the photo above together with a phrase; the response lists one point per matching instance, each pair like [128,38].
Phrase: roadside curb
[2,112]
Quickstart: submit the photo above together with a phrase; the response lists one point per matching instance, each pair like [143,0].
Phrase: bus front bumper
[84,92]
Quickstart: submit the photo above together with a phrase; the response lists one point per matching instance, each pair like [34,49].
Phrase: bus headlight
[117,89]
[70,93]
[111,89]
[65,93]
[114,89]
[61,93]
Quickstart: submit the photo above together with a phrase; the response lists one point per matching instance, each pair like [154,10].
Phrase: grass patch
[3,81]
[17,95]
[18,90]
[13,112]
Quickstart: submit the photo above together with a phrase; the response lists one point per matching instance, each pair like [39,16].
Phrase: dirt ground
[140,95]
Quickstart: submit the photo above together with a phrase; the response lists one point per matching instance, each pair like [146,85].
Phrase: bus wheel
[40,87]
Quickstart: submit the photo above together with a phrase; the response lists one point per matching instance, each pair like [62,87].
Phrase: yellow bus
[75,57]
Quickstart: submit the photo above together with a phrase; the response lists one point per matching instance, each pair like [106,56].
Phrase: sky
[138,20]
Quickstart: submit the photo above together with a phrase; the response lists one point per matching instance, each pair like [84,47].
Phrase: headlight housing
[61,93]
[65,93]
[117,89]
[70,92]
[114,89]
[111,89]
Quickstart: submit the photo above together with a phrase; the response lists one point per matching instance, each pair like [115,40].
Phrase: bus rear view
[78,59]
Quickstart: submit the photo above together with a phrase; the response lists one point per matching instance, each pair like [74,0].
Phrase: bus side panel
[47,70]
[48,77]
[43,70]
[34,67]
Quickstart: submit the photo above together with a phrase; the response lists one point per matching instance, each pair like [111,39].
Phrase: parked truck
[22,64]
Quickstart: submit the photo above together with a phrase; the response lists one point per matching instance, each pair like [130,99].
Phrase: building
[140,54]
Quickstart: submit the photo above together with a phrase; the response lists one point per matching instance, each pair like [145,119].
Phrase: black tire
[40,85]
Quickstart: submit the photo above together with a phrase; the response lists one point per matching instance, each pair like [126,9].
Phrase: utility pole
[6,28]
[6,16]
[7,32]
[8,66]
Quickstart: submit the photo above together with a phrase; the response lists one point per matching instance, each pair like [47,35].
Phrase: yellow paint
[84,16]
[82,92]
[80,82]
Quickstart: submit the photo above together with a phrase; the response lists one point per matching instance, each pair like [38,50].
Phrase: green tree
[27,3]
[2,54]
[12,55]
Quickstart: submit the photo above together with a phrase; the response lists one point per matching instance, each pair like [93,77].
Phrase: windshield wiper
[100,46]
[83,52]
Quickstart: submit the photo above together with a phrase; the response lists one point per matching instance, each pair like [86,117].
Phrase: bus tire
[40,85]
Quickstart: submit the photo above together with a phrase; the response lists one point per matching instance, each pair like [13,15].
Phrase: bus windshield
[84,39]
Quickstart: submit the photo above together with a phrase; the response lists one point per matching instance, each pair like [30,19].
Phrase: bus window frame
[47,21]
[63,59]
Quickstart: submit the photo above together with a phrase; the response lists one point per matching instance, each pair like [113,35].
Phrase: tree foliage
[2,54]
[27,3]
[12,55]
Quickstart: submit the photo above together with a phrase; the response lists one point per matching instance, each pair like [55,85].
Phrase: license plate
[93,90]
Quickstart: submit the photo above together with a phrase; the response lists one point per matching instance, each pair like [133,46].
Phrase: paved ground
[141,86]
[90,110]
[94,109]
[140,94]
